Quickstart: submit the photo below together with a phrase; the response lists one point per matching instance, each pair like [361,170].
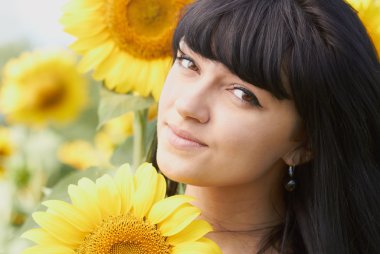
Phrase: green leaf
[123,153]
[113,105]
[150,132]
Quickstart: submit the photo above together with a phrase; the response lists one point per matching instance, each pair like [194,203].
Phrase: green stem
[139,128]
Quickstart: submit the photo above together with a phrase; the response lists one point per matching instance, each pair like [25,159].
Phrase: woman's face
[216,130]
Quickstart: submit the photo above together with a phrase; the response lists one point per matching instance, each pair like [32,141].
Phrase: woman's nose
[193,105]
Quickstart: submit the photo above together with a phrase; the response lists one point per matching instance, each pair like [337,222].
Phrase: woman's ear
[299,155]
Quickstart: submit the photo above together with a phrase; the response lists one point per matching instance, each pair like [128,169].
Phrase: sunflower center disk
[126,248]
[5,149]
[148,17]
[143,28]
[48,93]
[124,234]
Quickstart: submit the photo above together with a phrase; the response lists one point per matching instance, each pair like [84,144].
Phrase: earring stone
[290,185]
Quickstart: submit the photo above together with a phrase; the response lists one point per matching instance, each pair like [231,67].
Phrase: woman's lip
[184,138]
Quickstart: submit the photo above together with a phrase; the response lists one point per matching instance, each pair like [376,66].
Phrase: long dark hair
[317,53]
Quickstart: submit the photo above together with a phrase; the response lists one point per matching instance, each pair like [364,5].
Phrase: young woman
[271,116]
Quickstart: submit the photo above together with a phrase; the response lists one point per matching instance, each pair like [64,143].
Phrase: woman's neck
[240,215]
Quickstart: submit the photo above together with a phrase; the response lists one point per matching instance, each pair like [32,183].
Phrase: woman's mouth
[183,139]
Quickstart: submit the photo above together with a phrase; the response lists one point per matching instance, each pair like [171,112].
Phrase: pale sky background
[35,21]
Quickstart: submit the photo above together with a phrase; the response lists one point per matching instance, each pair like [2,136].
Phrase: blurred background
[52,143]
[30,24]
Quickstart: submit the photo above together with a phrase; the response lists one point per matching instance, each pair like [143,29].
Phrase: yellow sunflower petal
[40,236]
[83,44]
[124,70]
[70,213]
[106,191]
[199,247]
[58,228]
[86,202]
[178,220]
[145,182]
[94,57]
[71,20]
[121,73]
[140,84]
[124,183]
[158,75]
[164,67]
[166,207]
[82,6]
[359,3]
[160,189]
[108,65]
[6,143]
[48,249]
[87,31]
[193,232]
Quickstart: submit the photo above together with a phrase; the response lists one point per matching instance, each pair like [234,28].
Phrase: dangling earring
[291,183]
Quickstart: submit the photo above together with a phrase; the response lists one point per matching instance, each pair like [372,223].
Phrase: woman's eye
[246,96]
[187,63]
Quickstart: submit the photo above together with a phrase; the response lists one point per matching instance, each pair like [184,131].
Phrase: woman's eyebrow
[181,51]
[182,47]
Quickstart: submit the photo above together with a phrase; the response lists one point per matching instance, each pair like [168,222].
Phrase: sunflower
[2,171]
[42,86]
[126,42]
[6,146]
[81,154]
[121,214]
[369,14]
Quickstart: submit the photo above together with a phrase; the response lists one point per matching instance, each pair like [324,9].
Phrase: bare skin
[231,143]
[241,216]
